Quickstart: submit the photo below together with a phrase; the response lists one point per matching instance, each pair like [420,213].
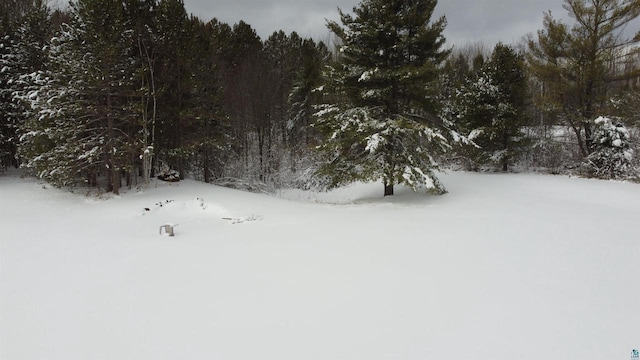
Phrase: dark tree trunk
[207,176]
[112,173]
[581,141]
[116,183]
[92,179]
[588,137]
[505,147]
[388,189]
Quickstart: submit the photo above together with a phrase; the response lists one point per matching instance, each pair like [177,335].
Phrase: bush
[170,175]
[612,157]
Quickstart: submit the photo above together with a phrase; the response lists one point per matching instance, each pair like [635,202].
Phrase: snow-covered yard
[503,267]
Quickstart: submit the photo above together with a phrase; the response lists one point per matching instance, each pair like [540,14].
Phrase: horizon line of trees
[113,92]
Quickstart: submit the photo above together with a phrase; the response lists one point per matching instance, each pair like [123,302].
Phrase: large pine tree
[303,95]
[381,122]
[492,105]
[578,65]
[87,102]
[23,42]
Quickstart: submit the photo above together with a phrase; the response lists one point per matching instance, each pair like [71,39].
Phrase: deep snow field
[503,267]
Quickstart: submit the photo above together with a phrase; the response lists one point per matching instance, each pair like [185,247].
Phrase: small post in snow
[168,229]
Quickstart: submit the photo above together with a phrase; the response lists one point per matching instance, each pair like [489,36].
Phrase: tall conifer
[380,123]
[577,64]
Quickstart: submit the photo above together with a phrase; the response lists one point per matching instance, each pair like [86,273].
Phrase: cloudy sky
[487,21]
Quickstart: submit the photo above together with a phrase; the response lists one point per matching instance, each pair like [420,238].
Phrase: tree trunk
[389,171]
[92,179]
[388,189]
[505,148]
[116,183]
[588,137]
[112,172]
[146,165]
[205,165]
[577,130]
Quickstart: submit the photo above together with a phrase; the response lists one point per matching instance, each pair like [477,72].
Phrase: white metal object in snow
[168,229]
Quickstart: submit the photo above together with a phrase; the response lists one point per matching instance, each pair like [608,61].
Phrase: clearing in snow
[503,267]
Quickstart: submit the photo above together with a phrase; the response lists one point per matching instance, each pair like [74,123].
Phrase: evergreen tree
[9,71]
[282,53]
[174,83]
[612,157]
[304,95]
[54,137]
[22,52]
[382,125]
[140,17]
[577,65]
[237,50]
[493,106]
[205,134]
[87,108]
[295,64]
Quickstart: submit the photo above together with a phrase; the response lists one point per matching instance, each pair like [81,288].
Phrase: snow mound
[197,207]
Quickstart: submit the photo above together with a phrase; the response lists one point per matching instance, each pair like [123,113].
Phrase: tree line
[113,92]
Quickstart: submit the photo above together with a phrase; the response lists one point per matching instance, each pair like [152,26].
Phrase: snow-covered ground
[502,267]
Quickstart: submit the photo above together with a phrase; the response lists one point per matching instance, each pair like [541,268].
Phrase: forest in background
[110,93]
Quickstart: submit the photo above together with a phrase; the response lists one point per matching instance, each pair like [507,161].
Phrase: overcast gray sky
[488,21]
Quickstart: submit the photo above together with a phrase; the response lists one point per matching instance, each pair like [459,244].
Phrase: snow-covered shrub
[552,151]
[244,184]
[294,168]
[612,157]
[170,175]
